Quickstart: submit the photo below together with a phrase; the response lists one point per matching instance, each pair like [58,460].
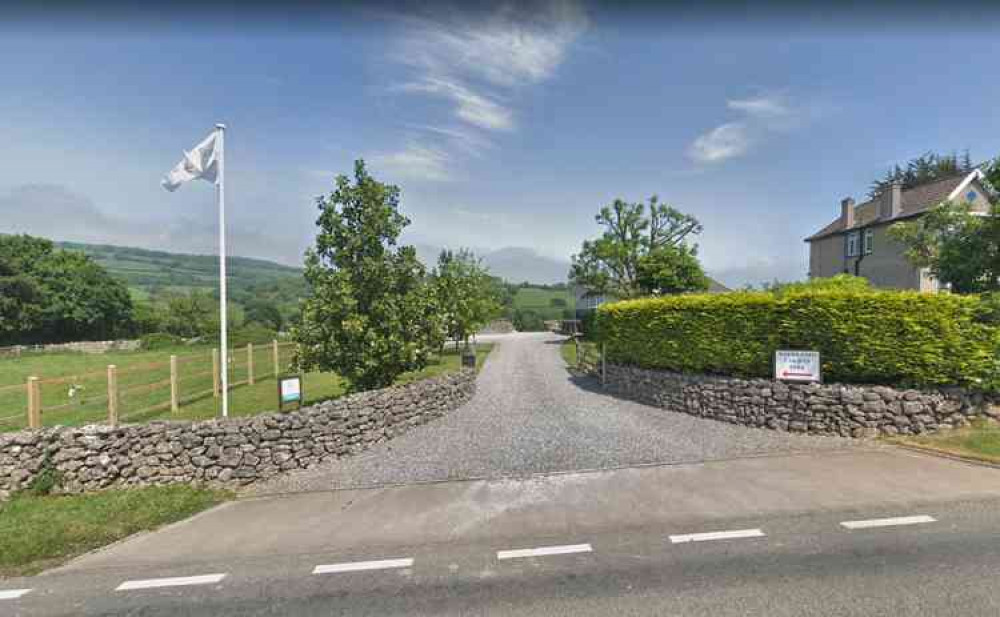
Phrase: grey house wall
[886,266]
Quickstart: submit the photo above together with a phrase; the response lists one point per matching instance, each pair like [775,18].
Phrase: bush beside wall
[905,339]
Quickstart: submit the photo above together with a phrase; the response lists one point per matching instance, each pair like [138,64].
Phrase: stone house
[858,243]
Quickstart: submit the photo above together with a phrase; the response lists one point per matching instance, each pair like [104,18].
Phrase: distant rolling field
[540,300]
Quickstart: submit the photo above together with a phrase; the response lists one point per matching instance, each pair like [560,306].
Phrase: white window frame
[852,244]
[868,242]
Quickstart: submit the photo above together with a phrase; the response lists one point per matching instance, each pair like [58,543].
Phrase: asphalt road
[530,415]
[883,532]
[807,564]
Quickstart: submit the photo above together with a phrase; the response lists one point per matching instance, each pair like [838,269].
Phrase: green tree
[636,248]
[189,315]
[266,313]
[466,294]
[527,320]
[958,247]
[51,295]
[671,269]
[372,314]
[922,169]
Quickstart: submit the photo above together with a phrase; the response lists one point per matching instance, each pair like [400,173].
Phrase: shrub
[891,337]
[160,340]
[527,320]
[253,333]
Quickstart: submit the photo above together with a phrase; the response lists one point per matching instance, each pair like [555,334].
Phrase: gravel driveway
[529,415]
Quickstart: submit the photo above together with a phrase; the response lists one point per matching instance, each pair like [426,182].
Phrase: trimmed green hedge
[892,337]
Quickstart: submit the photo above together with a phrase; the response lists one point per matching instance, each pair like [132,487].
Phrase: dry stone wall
[822,409]
[225,452]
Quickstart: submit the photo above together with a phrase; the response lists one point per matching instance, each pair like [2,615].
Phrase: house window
[852,244]
[869,241]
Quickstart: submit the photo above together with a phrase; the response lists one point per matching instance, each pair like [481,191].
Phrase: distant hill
[150,275]
[145,268]
[513,264]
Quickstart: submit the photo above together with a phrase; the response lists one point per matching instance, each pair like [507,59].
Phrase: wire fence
[137,392]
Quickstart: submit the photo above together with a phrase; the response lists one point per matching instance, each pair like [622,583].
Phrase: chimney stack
[892,201]
[847,212]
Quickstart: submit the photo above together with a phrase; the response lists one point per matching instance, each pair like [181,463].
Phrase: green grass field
[144,388]
[981,441]
[540,301]
[38,532]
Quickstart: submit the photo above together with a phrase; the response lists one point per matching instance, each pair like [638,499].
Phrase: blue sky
[504,127]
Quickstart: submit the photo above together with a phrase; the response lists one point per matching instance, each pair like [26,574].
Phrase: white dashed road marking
[180,581]
[360,566]
[545,550]
[12,594]
[889,522]
[717,535]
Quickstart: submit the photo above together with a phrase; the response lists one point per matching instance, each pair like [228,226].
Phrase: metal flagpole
[221,190]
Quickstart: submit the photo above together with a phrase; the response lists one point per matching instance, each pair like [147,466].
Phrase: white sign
[291,390]
[792,365]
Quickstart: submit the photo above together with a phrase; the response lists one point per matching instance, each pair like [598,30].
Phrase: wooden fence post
[112,395]
[216,375]
[274,352]
[250,364]
[34,404]
[604,365]
[173,384]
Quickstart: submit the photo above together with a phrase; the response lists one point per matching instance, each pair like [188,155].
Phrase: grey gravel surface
[530,415]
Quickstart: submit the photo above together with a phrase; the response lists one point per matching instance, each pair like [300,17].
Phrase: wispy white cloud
[760,117]
[723,142]
[506,48]
[415,162]
[762,106]
[467,140]
[471,107]
[476,60]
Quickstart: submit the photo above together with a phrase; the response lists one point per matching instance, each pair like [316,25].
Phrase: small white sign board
[792,365]
[291,390]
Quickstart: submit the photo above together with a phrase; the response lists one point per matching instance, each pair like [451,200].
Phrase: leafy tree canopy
[467,295]
[372,314]
[640,253]
[958,247]
[922,169]
[48,295]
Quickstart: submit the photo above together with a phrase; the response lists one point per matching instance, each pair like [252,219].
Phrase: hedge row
[889,337]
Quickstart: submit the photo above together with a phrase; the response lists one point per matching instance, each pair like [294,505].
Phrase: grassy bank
[980,441]
[569,351]
[39,532]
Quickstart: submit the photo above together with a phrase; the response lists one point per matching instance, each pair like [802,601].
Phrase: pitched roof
[915,200]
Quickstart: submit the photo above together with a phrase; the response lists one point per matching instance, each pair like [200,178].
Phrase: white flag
[201,162]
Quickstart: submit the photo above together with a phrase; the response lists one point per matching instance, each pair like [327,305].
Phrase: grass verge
[980,442]
[568,351]
[39,532]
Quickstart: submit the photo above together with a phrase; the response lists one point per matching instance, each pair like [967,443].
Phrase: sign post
[794,365]
[289,391]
